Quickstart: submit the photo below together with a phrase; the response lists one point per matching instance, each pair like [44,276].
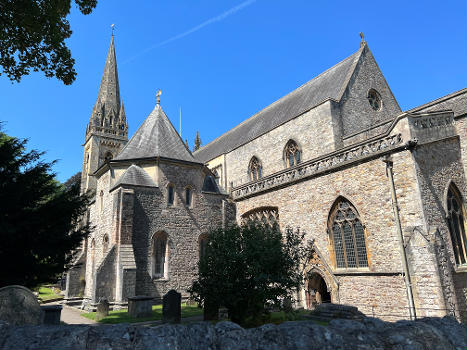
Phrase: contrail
[218,18]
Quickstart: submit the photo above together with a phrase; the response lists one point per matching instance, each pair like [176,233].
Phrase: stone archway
[316,291]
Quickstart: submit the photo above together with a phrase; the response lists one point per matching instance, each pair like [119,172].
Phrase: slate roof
[156,137]
[455,101]
[328,85]
[135,176]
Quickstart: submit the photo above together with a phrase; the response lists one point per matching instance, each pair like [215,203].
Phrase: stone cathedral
[379,192]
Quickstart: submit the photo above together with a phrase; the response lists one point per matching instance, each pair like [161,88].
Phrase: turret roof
[156,137]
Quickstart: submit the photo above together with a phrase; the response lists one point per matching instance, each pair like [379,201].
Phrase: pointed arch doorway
[316,291]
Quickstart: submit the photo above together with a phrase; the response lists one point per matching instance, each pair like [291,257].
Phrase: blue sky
[222,61]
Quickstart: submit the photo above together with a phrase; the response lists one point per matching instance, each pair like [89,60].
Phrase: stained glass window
[348,236]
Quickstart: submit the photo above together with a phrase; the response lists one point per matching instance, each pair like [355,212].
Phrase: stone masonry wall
[183,226]
[101,220]
[269,148]
[356,112]
[366,186]
[437,165]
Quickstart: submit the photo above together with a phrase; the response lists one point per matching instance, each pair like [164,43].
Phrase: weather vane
[112,26]
[158,96]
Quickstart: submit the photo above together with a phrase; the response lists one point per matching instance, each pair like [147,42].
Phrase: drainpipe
[395,207]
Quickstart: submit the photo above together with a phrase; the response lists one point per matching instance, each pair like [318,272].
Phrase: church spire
[109,90]
[108,114]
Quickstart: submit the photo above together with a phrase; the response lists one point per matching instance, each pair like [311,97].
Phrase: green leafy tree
[38,217]
[32,36]
[248,269]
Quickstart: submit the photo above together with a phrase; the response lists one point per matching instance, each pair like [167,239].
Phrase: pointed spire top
[362,41]
[197,144]
[109,90]
[113,27]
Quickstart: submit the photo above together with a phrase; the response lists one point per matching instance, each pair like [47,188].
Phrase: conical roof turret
[156,137]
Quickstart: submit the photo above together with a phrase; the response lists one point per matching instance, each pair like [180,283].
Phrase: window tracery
[266,215]
[255,169]
[457,224]
[292,153]
[348,236]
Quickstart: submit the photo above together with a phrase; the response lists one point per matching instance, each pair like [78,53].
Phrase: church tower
[107,130]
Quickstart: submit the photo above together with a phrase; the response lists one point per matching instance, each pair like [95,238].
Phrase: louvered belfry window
[456,223]
[348,236]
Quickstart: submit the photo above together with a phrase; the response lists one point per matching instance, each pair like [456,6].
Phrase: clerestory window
[292,153]
[255,169]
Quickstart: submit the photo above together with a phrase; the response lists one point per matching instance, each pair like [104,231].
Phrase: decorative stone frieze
[317,166]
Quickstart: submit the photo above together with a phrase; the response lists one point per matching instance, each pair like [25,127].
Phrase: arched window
[255,169]
[292,153]
[348,235]
[188,196]
[160,255]
[202,243]
[170,194]
[457,224]
[266,215]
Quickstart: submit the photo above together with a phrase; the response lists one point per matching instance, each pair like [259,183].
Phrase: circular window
[374,98]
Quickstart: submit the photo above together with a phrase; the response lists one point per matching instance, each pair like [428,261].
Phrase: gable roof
[455,101]
[135,176]
[156,137]
[330,84]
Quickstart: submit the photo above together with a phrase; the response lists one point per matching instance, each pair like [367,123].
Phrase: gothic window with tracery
[255,169]
[265,215]
[160,255]
[457,224]
[292,153]
[348,235]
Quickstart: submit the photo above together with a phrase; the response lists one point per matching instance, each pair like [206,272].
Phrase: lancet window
[160,255]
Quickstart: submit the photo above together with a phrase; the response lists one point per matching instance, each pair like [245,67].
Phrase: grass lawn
[121,316]
[46,293]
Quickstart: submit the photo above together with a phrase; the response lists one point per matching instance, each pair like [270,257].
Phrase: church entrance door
[316,291]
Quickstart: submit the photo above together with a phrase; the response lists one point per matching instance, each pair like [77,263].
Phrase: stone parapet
[320,165]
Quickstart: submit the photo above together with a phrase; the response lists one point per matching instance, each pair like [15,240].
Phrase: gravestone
[172,307]
[140,306]
[102,309]
[19,306]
